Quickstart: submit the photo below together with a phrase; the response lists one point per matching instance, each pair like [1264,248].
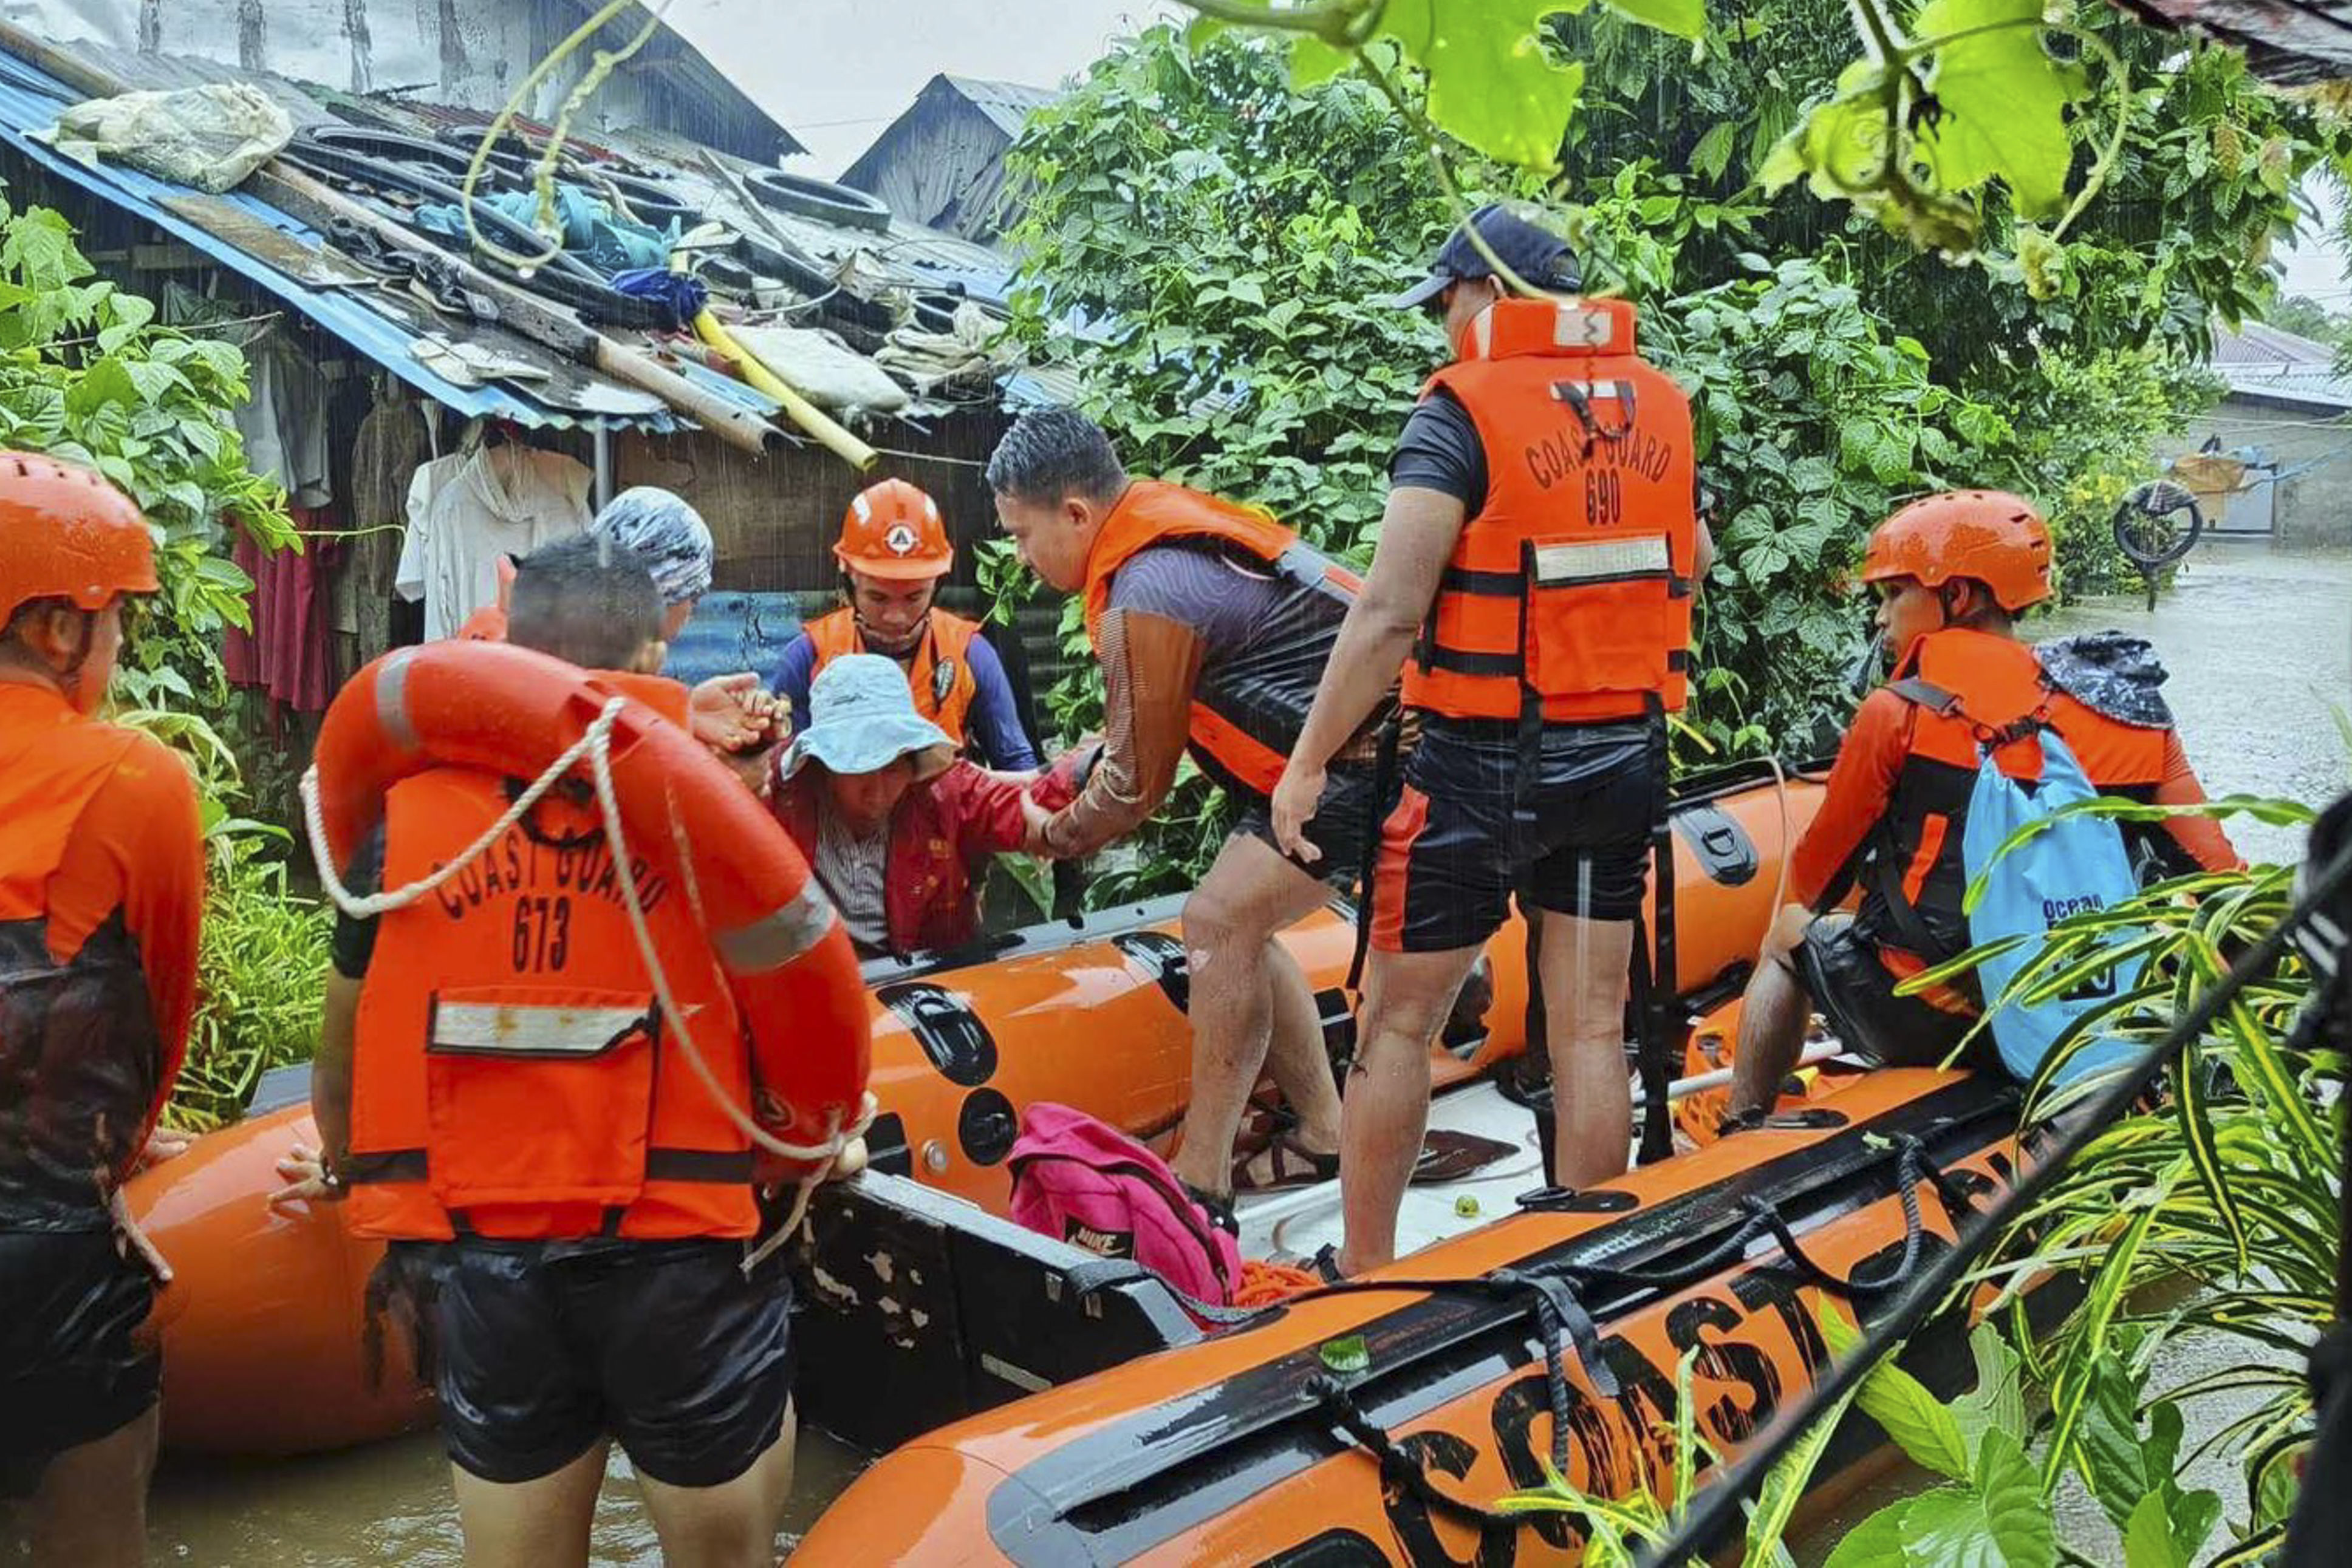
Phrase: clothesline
[187,329]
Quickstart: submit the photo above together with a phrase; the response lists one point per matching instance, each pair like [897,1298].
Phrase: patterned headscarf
[668,533]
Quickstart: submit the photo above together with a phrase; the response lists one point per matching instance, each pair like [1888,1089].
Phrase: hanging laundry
[467,510]
[392,443]
[286,653]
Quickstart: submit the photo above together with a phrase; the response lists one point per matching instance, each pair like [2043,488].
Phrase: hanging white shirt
[467,510]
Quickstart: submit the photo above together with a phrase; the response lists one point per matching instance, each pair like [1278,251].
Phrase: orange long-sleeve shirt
[1862,785]
[101,895]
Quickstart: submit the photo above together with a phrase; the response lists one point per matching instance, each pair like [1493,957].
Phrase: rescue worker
[893,551]
[733,714]
[101,887]
[558,1320]
[898,828]
[1953,573]
[1540,544]
[1210,621]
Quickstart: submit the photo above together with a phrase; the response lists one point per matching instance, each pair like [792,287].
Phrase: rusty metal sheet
[305,261]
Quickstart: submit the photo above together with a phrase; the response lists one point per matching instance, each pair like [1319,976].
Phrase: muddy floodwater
[2258,645]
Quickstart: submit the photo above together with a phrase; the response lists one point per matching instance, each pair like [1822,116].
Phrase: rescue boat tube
[1250,1444]
[268,1349]
[510,710]
[1088,1012]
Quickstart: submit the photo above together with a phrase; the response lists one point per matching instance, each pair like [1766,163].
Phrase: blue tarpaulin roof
[29,102]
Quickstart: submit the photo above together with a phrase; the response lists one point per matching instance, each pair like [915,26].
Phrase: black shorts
[1340,827]
[1453,852]
[77,1362]
[540,1350]
[1843,973]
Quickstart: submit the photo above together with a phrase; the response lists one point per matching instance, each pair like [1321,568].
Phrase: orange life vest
[1572,585]
[1246,718]
[940,677]
[1973,690]
[511,1076]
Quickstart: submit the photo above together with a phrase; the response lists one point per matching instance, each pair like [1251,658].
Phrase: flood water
[2258,645]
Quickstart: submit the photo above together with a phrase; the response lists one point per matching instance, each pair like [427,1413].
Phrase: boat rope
[1402,1471]
[1716,1509]
[595,745]
[1553,1296]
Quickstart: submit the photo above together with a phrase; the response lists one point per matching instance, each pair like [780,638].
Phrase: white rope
[823,1156]
[314,818]
[596,744]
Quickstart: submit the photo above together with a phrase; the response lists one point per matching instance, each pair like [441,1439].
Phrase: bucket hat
[862,718]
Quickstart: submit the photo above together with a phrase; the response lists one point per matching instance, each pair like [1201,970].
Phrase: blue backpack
[2073,866]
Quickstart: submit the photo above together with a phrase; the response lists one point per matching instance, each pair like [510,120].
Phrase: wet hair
[585,600]
[17,653]
[1054,453]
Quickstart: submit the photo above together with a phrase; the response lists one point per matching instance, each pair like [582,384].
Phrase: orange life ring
[504,709]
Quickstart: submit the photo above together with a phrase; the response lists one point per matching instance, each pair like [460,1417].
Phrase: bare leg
[733,1524]
[91,1506]
[1406,998]
[1584,964]
[1296,1057]
[1229,925]
[531,1525]
[1771,1018]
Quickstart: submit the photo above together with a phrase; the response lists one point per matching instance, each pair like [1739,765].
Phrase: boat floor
[1292,1225]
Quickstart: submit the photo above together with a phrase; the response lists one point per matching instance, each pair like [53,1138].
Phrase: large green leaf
[1998,1401]
[1682,18]
[2002,101]
[1492,84]
[1920,1423]
[1875,1542]
[2009,1490]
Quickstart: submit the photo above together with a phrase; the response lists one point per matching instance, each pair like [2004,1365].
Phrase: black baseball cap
[1533,252]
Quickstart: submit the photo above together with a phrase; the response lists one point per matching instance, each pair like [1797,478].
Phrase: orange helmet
[1994,537]
[892,529]
[67,533]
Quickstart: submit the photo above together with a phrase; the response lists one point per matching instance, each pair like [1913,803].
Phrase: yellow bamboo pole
[830,432]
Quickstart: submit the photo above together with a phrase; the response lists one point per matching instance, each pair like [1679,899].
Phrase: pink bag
[1077,1180]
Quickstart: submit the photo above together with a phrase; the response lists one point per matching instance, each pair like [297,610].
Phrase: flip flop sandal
[1455,1156]
[1291,1165]
[1325,1265]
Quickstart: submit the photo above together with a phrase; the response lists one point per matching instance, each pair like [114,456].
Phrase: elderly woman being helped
[898,828]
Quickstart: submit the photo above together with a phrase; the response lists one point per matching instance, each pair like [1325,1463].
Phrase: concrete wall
[2311,510]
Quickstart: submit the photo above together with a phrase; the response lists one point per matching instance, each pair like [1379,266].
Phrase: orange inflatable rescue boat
[1088,1012]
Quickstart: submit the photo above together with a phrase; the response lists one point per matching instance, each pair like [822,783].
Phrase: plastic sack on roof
[821,370]
[210,137]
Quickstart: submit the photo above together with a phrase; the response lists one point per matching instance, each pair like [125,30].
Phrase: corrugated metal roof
[140,70]
[2258,343]
[1007,103]
[2264,363]
[29,102]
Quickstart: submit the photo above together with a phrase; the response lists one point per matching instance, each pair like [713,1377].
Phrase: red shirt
[942,839]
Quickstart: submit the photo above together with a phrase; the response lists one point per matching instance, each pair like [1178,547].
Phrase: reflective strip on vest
[392,700]
[775,939]
[528,1028]
[1602,560]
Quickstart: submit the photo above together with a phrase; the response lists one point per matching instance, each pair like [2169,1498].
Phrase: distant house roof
[2263,364]
[943,162]
[1007,103]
